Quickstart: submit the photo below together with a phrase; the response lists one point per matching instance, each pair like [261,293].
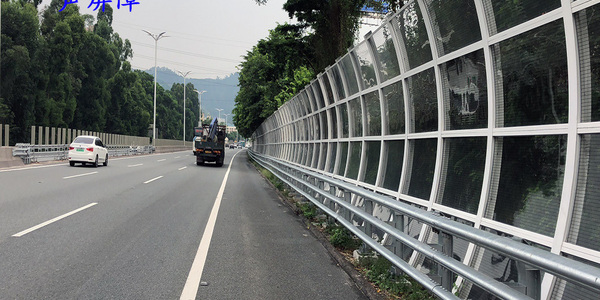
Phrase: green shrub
[341,238]
[308,210]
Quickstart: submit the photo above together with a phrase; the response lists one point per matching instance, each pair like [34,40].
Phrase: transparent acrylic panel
[334,123]
[455,24]
[416,50]
[423,101]
[354,160]
[337,77]
[531,77]
[310,97]
[349,74]
[309,154]
[465,159]
[584,229]
[366,64]
[393,164]
[355,117]
[316,88]
[373,107]
[344,118]
[323,157]
[324,127]
[385,53]
[328,90]
[343,158]
[316,154]
[317,127]
[394,98]
[299,153]
[465,92]
[372,151]
[504,14]
[588,29]
[530,182]
[423,167]
[332,154]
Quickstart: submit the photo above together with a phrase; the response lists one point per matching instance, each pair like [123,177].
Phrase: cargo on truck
[209,143]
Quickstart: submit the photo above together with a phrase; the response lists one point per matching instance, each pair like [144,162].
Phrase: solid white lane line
[193,281]
[131,166]
[177,156]
[181,168]
[159,177]
[75,176]
[162,159]
[24,232]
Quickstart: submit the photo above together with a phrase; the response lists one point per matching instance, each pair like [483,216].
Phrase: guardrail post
[398,246]
[347,199]
[47,136]
[445,243]
[368,228]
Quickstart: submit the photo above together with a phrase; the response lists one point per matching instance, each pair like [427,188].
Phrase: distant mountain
[220,92]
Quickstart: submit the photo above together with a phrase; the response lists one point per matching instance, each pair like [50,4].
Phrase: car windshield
[83,140]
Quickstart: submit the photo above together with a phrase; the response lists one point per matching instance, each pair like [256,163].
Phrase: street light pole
[226,123]
[184,75]
[156,38]
[219,109]
[200,106]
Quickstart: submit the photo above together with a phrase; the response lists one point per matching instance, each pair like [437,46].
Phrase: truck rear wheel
[220,162]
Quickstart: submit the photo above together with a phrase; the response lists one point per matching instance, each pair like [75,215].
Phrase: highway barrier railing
[354,208]
[40,153]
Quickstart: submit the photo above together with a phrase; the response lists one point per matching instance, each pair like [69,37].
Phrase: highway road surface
[157,227]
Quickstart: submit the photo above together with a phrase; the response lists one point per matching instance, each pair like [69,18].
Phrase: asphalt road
[136,229]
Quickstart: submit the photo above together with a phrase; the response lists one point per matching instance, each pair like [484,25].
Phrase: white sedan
[86,149]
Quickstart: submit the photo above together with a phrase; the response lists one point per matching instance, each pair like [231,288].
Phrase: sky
[207,37]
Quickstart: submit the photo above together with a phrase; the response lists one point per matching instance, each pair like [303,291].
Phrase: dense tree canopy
[64,69]
[280,66]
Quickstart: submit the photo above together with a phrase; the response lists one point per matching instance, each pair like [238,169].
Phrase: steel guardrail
[562,267]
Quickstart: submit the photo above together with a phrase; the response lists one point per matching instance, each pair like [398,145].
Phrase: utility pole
[156,38]
[184,75]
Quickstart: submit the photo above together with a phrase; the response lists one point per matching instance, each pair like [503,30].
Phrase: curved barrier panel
[486,112]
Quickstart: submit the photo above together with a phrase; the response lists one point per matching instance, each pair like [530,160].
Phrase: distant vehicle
[231,146]
[87,149]
[209,143]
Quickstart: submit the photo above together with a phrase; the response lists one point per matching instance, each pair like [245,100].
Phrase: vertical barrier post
[40,140]
[53,135]
[58,136]
[64,137]
[1,135]
[445,242]
[32,135]
[6,135]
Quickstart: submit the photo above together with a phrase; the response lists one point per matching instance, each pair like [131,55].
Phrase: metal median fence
[484,113]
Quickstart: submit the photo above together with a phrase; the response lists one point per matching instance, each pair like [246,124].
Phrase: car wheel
[96,162]
[72,163]
[105,161]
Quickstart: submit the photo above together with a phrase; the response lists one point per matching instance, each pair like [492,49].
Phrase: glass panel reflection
[343,158]
[588,31]
[316,88]
[372,151]
[385,53]
[328,89]
[354,160]
[349,74]
[373,113]
[503,14]
[415,49]
[585,231]
[465,92]
[464,173]
[422,168]
[337,78]
[344,118]
[455,24]
[355,117]
[530,181]
[367,67]
[393,167]
[395,107]
[332,156]
[334,123]
[423,101]
[531,77]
